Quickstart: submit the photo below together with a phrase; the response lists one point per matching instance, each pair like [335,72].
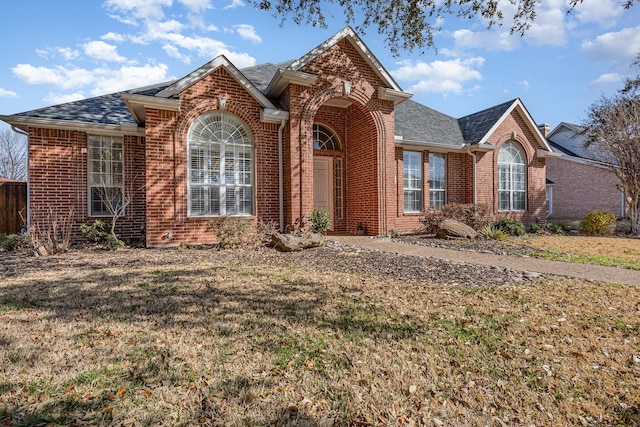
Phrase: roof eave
[284,78]
[138,103]
[431,146]
[24,123]
[197,75]
[397,96]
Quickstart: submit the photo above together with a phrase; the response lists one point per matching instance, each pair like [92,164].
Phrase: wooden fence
[13,202]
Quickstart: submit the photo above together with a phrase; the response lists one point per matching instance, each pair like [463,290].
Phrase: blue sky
[64,50]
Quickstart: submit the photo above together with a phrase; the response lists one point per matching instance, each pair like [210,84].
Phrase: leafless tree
[13,155]
[613,134]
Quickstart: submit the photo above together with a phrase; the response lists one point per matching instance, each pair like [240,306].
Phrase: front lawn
[134,337]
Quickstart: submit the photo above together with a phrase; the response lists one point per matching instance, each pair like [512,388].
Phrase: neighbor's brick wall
[167,193]
[581,188]
[58,179]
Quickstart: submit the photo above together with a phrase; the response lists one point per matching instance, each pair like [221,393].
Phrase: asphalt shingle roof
[415,122]
[475,126]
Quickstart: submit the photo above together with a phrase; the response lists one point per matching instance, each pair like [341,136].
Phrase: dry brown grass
[219,341]
[628,248]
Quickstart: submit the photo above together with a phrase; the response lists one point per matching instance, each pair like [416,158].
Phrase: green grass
[14,305]
[589,259]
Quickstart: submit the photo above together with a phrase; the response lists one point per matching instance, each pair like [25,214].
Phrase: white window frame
[512,177]
[106,153]
[412,181]
[437,203]
[223,173]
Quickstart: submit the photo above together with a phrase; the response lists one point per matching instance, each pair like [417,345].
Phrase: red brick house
[331,129]
[579,182]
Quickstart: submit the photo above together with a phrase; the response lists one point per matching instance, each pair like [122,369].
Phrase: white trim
[282,78]
[548,154]
[208,68]
[273,116]
[358,44]
[328,183]
[137,103]
[397,96]
[24,123]
[533,127]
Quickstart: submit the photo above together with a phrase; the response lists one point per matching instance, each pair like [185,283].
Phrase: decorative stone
[295,242]
[453,228]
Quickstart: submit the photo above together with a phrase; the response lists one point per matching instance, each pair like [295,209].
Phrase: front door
[323,185]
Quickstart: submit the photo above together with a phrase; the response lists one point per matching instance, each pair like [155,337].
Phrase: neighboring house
[581,183]
[332,129]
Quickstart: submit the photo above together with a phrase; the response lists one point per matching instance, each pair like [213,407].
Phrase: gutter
[474,156]
[281,173]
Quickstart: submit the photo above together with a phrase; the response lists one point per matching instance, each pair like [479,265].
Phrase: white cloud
[63,98]
[440,76]
[65,78]
[102,51]
[606,79]
[524,84]
[247,32]
[4,93]
[113,37]
[97,81]
[549,27]
[130,10]
[197,6]
[601,12]
[620,47]
[235,4]
[66,52]
[492,40]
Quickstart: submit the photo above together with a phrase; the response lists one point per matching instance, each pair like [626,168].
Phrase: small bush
[510,226]
[598,222]
[14,242]
[491,232]
[554,228]
[234,232]
[98,232]
[475,216]
[320,221]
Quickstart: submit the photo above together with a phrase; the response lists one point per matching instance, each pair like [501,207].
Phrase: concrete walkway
[582,271]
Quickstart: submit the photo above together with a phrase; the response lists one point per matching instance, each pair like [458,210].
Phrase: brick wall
[166,148]
[581,188]
[58,180]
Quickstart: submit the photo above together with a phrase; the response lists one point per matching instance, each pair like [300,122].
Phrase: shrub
[234,232]
[510,226]
[99,232]
[50,230]
[491,232]
[475,216]
[320,221]
[598,222]
[14,242]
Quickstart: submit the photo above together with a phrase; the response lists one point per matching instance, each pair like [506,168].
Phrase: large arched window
[512,180]
[324,138]
[220,166]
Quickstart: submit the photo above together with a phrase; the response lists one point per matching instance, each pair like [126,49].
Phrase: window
[412,181]
[549,199]
[338,192]
[437,180]
[324,138]
[511,178]
[106,175]
[220,166]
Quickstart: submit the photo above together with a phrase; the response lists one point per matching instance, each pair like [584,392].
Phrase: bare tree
[13,155]
[612,128]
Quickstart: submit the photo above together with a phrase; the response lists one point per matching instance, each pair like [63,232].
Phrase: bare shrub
[234,232]
[474,215]
[50,230]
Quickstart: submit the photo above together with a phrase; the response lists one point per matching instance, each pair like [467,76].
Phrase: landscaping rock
[295,242]
[453,228]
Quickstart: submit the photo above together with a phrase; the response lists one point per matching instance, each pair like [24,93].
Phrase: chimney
[544,129]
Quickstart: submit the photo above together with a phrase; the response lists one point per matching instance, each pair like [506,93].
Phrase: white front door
[323,185]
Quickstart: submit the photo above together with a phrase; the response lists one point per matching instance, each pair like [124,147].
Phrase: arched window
[324,138]
[512,180]
[220,166]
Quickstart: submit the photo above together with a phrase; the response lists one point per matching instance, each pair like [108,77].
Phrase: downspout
[475,174]
[281,174]
[21,132]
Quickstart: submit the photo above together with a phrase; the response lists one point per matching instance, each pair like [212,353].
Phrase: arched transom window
[220,166]
[512,180]
[324,138]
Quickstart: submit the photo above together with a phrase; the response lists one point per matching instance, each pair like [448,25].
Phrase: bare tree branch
[13,155]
